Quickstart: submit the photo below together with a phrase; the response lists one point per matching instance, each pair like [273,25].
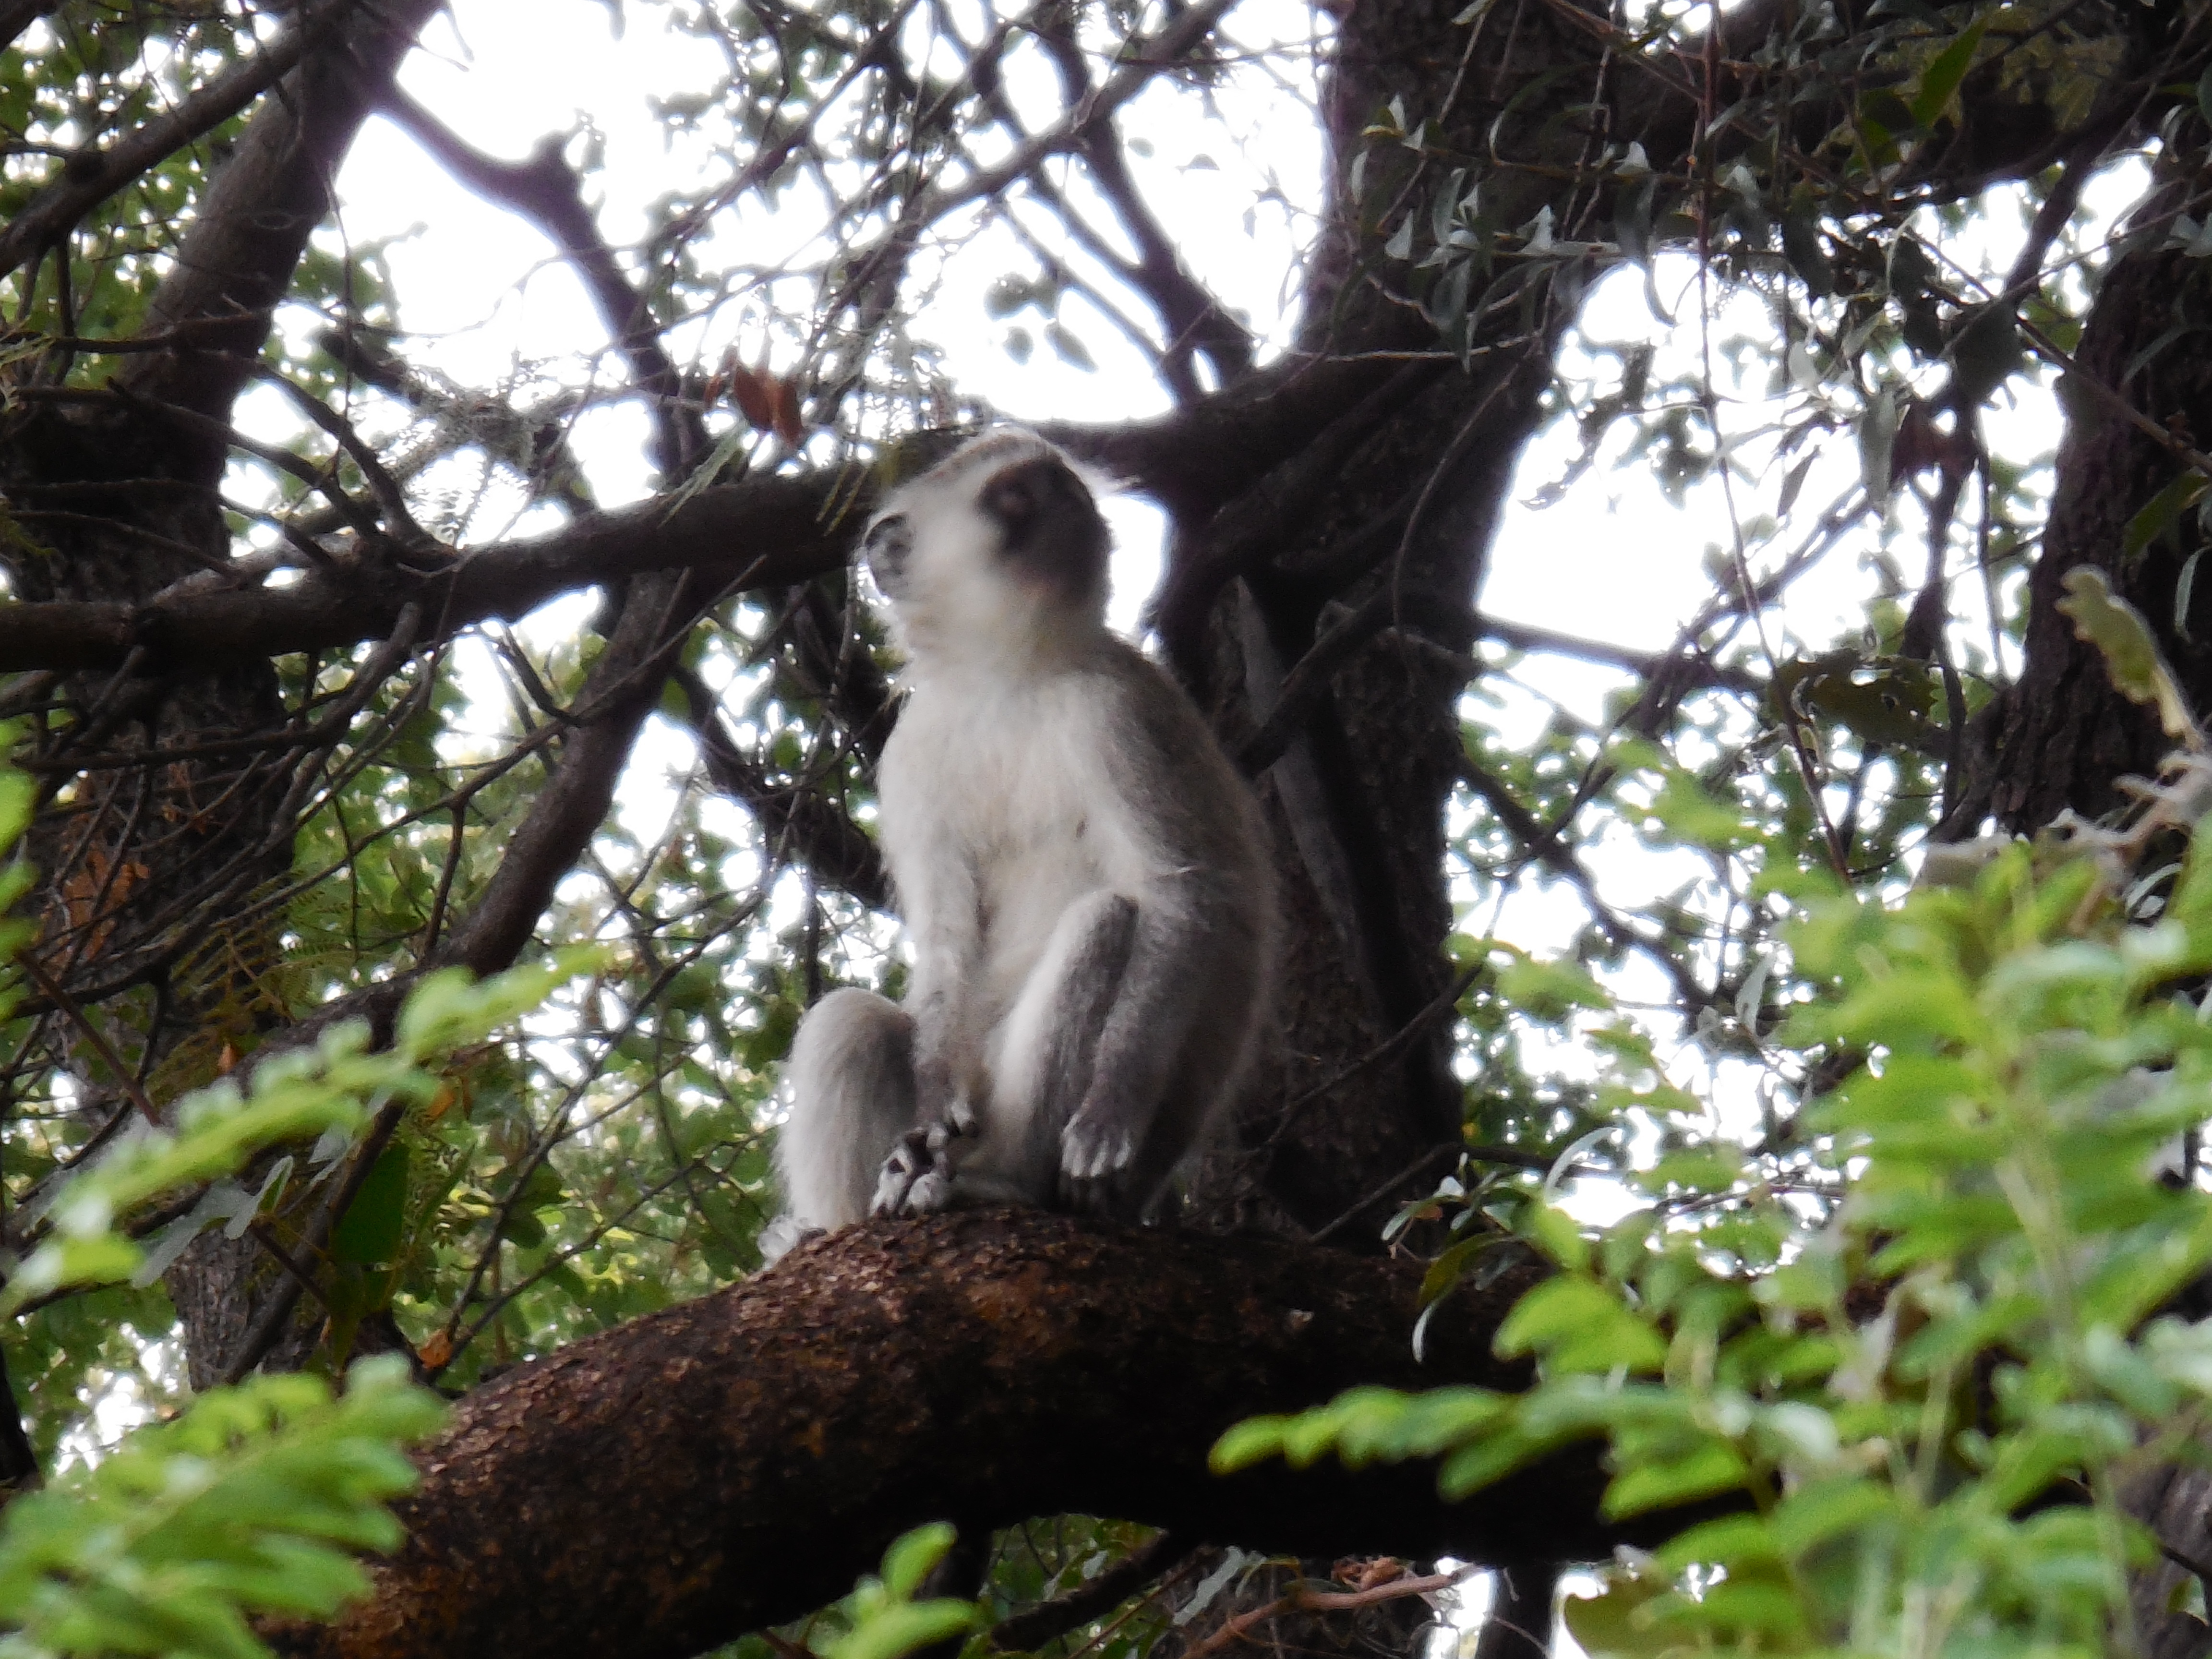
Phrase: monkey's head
[1001,546]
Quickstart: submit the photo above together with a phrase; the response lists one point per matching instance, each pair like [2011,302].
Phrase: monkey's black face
[890,540]
[1051,528]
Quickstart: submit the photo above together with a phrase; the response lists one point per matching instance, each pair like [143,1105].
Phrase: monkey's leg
[1043,1054]
[852,1098]
[1140,1111]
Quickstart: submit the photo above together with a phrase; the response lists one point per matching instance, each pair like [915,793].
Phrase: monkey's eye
[1049,524]
[1021,494]
[889,540]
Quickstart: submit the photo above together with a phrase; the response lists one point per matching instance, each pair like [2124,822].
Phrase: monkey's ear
[889,541]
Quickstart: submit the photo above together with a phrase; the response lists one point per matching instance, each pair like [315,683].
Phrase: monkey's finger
[1094,1163]
[910,1155]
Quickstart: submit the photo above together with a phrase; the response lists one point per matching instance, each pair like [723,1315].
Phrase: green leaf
[1939,82]
[19,796]
[1549,991]
[1578,1325]
[1713,1467]
[251,1502]
[375,1222]
[1691,813]
[2161,512]
[1253,1441]
[1821,1510]
[1068,347]
[2132,655]
[902,1628]
[1877,437]
[1616,1623]
[1486,1463]
[887,1621]
[1801,245]
[1553,1231]
[914,1555]
[1985,353]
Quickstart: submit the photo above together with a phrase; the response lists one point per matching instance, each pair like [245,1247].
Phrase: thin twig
[285,1296]
[126,1079]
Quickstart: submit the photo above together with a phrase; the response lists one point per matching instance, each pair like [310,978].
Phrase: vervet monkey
[1083,874]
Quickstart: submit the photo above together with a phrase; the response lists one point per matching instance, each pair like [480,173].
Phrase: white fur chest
[998,811]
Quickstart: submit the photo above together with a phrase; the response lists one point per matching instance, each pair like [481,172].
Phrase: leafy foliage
[256,1498]
[253,1501]
[886,1620]
[1916,1396]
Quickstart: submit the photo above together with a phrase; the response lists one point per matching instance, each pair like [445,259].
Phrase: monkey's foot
[1098,1157]
[917,1176]
[784,1235]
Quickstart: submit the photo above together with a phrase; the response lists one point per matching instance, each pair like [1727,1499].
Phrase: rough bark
[734,1461]
[756,534]
[2174,1502]
[2062,736]
[1392,502]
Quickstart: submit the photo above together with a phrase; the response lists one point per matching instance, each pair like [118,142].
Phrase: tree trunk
[148,925]
[1378,522]
[2063,737]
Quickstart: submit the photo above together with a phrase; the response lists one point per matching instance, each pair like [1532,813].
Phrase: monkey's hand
[917,1176]
[1098,1157]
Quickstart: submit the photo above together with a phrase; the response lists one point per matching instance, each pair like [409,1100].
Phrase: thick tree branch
[89,176]
[622,688]
[2006,128]
[734,1463]
[766,531]
[1192,460]
[246,241]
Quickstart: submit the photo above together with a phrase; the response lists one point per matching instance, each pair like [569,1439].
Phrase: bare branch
[1029,1630]
[1142,62]
[621,689]
[547,190]
[837,850]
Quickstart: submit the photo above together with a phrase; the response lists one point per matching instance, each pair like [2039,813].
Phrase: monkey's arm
[1184,1014]
[915,1175]
[936,885]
